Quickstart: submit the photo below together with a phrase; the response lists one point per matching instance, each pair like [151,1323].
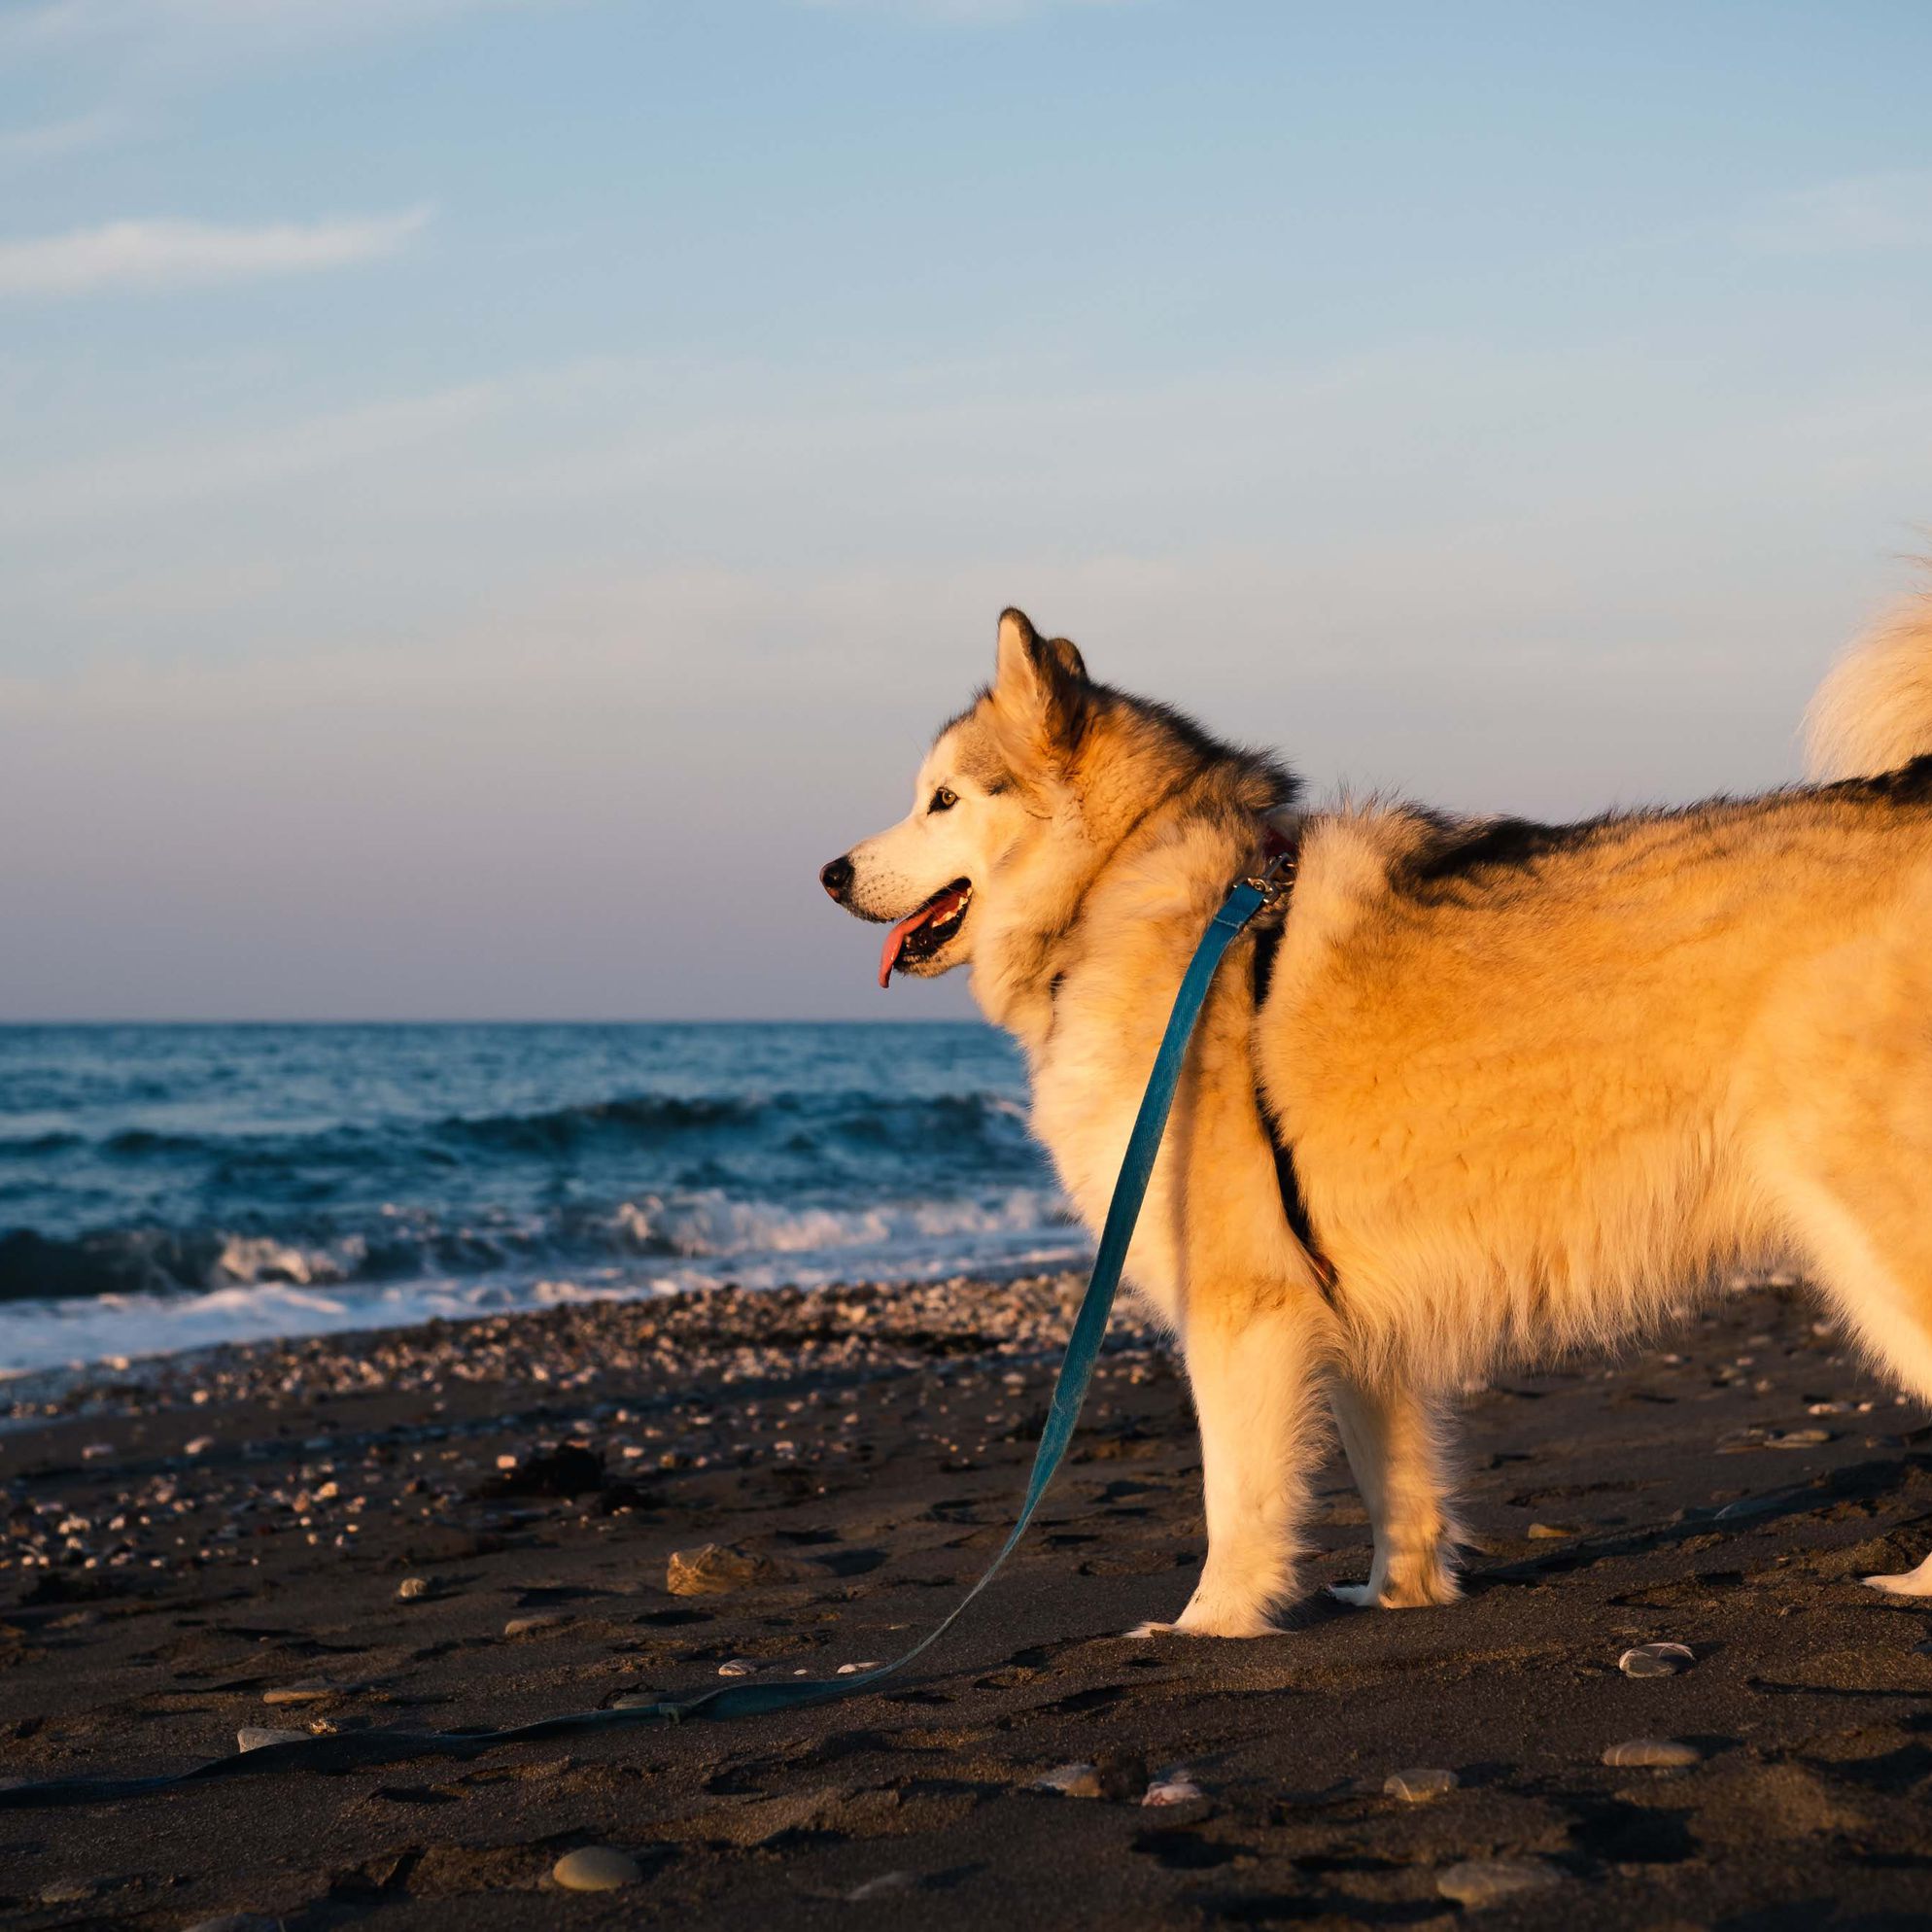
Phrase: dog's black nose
[837,877]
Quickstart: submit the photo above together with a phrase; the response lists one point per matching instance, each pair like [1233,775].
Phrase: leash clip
[1275,880]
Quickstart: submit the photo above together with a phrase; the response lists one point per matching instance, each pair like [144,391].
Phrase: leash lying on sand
[352,1751]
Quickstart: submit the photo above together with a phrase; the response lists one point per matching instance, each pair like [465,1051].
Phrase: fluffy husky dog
[1520,1086]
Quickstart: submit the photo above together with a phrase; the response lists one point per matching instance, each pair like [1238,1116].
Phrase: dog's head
[996,786]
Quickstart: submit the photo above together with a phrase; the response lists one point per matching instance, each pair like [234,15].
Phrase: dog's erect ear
[1040,683]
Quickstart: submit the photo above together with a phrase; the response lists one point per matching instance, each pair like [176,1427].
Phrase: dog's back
[1541,1081]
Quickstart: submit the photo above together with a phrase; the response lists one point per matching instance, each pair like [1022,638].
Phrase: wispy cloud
[171,253]
[1874,211]
[32,25]
[50,138]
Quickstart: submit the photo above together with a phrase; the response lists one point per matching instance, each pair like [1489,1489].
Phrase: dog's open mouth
[920,935]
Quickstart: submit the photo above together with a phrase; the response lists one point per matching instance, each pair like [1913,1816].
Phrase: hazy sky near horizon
[491,493]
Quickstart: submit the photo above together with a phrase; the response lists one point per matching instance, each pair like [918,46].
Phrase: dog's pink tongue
[888,955]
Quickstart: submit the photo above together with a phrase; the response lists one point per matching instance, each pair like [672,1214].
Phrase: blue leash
[349,1751]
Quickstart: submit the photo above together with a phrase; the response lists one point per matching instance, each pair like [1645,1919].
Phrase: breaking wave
[214,1183]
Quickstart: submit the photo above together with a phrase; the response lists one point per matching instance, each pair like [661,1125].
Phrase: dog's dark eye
[943,800]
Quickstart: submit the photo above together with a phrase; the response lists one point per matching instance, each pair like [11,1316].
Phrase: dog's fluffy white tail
[1874,712]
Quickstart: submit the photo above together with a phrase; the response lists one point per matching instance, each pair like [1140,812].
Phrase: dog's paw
[1360,1596]
[1199,1620]
[1906,1583]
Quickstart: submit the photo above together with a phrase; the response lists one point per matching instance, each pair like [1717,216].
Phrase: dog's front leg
[1256,1395]
[1392,1437]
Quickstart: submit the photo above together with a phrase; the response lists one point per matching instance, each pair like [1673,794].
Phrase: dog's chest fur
[1087,1081]
[1090,1062]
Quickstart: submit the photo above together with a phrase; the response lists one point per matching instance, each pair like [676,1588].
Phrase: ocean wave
[253,1178]
[34,1147]
[636,1117]
[713,1223]
[259,1288]
[641,1120]
[703,1224]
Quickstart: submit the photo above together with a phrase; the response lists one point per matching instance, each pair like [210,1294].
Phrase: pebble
[411,1588]
[306,1693]
[738,1667]
[595,1868]
[1419,1785]
[526,1625]
[71,1891]
[200,1447]
[712,1568]
[1485,1881]
[1662,1753]
[1549,1532]
[1071,1781]
[854,1670]
[884,1887]
[256,1737]
[1176,1787]
[1799,1438]
[1656,1659]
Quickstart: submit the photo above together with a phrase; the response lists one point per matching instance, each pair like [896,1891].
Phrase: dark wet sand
[890,1435]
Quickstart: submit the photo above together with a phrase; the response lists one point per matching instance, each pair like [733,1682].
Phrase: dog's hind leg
[1257,1398]
[1392,1440]
[1865,1262]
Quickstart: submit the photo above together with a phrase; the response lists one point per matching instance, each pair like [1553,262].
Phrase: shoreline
[861,1449]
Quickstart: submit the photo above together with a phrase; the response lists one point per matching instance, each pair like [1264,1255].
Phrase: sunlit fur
[1541,1084]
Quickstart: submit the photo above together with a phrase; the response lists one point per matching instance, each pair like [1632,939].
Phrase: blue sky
[491,493]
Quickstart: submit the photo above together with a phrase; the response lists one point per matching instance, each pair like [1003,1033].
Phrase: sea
[170,1186]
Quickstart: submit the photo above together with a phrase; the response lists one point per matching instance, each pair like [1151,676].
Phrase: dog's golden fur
[1540,1083]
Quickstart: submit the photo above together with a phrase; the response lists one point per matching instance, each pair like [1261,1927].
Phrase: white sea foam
[713,1223]
[262,1289]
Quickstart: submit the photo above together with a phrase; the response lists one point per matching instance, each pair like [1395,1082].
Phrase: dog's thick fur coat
[1540,1083]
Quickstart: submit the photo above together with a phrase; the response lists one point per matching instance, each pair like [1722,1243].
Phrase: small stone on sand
[1656,1659]
[528,1626]
[1550,1532]
[1071,1781]
[256,1737]
[854,1670]
[738,1667]
[304,1693]
[595,1868]
[1419,1785]
[1486,1880]
[1175,1787]
[883,1886]
[411,1588]
[712,1568]
[1662,1753]
[71,1891]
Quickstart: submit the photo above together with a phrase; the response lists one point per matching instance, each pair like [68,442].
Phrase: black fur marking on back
[1496,845]
[1909,784]
[1468,851]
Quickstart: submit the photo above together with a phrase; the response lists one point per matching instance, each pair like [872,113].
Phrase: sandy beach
[222,1542]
